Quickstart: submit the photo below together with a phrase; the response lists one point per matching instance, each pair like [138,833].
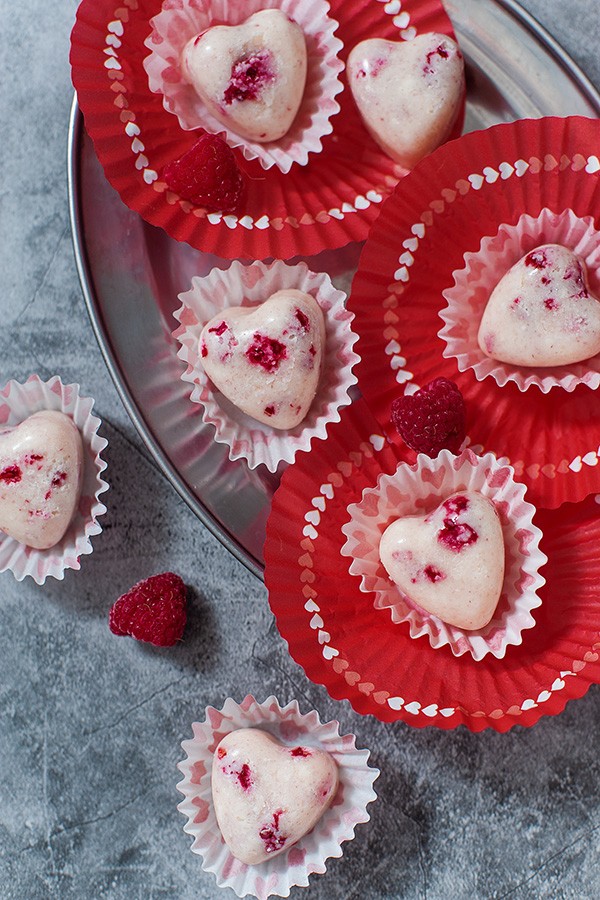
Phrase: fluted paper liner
[242,285]
[174,26]
[464,192]
[419,489]
[309,855]
[18,401]
[473,284]
[359,654]
[324,205]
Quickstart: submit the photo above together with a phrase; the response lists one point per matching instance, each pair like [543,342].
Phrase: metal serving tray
[132,272]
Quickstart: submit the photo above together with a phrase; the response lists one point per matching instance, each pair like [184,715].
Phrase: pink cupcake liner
[250,285]
[309,855]
[473,284]
[419,489]
[177,23]
[18,402]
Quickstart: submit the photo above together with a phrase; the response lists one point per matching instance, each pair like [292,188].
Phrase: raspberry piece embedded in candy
[153,610]
[433,419]
[208,175]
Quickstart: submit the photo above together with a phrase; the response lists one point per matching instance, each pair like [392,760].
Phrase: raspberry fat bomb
[251,76]
[41,470]
[450,562]
[542,313]
[267,360]
[267,795]
[408,93]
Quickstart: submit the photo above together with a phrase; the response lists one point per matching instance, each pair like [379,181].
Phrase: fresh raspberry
[152,610]
[208,176]
[432,419]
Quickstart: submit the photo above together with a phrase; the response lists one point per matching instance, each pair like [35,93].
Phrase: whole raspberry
[152,610]
[433,419]
[207,175]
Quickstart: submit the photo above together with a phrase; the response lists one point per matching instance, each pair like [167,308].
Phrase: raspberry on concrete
[153,610]
[208,175]
[433,419]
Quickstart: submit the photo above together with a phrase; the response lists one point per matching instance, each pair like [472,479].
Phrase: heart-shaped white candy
[267,359]
[41,467]
[250,76]
[541,313]
[451,562]
[409,93]
[267,795]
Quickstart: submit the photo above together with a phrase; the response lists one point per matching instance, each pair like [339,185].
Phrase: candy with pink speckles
[268,795]
[41,468]
[450,562]
[250,76]
[266,359]
[542,312]
[409,94]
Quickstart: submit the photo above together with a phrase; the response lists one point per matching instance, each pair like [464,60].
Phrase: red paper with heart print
[357,652]
[460,194]
[135,137]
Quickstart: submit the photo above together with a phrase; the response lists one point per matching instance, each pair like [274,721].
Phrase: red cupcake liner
[325,205]
[460,194]
[360,655]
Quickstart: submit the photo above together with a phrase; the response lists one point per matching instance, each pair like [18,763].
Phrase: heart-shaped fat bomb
[408,94]
[541,313]
[451,562]
[267,795]
[267,359]
[41,468]
[251,76]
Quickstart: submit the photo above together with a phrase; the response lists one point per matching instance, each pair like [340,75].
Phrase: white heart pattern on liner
[541,313]
[409,93]
[267,795]
[267,359]
[41,469]
[250,76]
[451,562]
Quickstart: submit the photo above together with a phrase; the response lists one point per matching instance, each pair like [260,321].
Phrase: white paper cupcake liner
[18,402]
[419,489]
[309,855]
[173,27]
[467,298]
[250,285]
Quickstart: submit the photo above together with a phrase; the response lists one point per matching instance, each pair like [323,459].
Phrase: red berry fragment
[433,419]
[207,175]
[154,610]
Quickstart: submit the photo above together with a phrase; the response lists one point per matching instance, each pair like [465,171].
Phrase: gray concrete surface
[90,726]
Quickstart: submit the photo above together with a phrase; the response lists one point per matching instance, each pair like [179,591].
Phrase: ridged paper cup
[242,285]
[359,654]
[473,285]
[309,855]
[324,205]
[418,490]
[18,401]
[512,182]
[174,26]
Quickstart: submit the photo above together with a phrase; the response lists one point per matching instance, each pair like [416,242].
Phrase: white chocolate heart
[41,469]
[267,359]
[267,795]
[408,94]
[251,76]
[451,562]
[541,313]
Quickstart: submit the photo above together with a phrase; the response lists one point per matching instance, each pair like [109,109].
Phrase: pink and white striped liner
[418,489]
[177,23]
[309,855]
[18,402]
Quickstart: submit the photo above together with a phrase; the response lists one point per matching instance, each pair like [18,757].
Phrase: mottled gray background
[91,726]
